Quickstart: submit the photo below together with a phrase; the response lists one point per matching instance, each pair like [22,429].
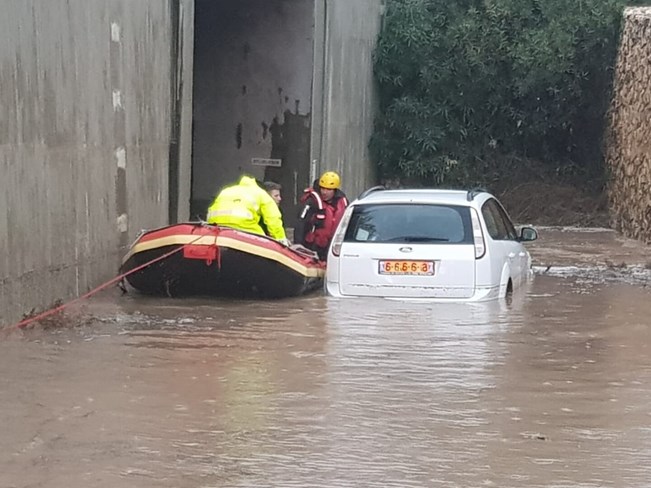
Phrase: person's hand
[285,242]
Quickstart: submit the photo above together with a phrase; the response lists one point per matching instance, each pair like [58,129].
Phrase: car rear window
[410,223]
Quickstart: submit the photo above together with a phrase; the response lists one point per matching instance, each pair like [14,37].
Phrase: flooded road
[549,389]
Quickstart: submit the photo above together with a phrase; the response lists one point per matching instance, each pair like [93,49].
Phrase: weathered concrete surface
[344,89]
[253,64]
[97,100]
[84,141]
[286,79]
[180,173]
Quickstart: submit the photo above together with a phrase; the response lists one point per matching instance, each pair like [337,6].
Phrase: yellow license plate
[393,267]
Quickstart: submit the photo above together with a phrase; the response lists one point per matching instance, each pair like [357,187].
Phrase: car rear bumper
[482,293]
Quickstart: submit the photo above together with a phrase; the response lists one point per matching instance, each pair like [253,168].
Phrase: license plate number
[393,267]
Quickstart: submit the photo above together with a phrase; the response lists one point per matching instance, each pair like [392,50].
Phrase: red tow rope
[58,309]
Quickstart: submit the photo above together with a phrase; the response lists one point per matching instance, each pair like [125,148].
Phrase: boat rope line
[25,322]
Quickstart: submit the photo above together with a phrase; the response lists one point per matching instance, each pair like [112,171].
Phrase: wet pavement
[548,389]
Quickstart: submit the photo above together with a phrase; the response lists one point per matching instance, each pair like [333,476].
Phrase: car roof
[425,195]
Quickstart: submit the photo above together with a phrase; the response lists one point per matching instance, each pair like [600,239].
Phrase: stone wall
[628,142]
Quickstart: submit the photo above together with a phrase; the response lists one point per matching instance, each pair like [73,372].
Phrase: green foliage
[465,82]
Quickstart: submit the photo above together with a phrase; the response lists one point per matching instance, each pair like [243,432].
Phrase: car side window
[495,224]
[511,234]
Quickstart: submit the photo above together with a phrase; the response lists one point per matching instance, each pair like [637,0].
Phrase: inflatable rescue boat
[205,259]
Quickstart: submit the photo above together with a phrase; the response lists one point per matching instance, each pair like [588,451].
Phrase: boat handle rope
[25,322]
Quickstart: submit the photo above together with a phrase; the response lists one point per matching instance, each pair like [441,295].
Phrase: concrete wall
[180,173]
[344,101]
[84,142]
[253,73]
[99,126]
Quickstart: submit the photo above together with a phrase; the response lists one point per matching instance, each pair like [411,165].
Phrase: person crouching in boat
[244,206]
[274,190]
[323,207]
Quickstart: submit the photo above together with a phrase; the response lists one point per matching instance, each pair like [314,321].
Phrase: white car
[433,244]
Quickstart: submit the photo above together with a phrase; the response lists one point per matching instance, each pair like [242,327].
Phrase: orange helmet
[329,180]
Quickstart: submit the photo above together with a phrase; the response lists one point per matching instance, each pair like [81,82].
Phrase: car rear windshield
[410,223]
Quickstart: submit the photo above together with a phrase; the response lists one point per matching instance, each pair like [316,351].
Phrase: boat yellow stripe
[179,240]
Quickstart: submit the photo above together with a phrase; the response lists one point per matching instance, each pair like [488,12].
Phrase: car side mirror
[528,234]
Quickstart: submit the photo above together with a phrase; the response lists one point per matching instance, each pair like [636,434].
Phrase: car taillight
[478,235]
[338,239]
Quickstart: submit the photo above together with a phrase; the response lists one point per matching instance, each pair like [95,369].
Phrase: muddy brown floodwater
[548,389]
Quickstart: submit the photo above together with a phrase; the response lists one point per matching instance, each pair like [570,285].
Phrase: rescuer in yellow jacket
[243,206]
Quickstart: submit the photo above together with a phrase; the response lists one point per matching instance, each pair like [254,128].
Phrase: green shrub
[464,83]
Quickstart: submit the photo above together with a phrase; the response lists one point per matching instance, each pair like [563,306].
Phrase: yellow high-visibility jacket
[242,206]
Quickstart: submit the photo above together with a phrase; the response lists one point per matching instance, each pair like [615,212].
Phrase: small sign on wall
[276,163]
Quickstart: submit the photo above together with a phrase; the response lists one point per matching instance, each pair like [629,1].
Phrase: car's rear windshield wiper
[417,239]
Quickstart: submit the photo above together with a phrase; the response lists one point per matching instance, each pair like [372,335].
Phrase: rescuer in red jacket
[323,206]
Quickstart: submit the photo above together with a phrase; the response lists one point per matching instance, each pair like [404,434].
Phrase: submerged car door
[505,243]
[522,255]
[408,250]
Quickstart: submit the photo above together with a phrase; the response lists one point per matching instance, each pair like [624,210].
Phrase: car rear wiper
[417,239]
